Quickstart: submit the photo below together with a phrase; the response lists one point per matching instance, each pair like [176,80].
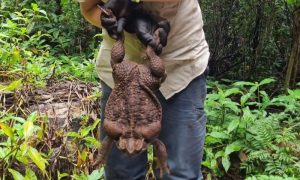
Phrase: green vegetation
[251,131]
[253,121]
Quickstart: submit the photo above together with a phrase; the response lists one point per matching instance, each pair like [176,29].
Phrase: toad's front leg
[105,148]
[161,153]
[118,51]
[156,64]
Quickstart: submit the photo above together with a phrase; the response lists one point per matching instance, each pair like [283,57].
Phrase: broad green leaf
[293,2]
[28,129]
[206,164]
[266,98]
[30,175]
[72,134]
[19,119]
[83,155]
[243,83]
[16,175]
[36,157]
[82,176]
[21,155]
[248,117]
[213,97]
[95,123]
[226,163]
[12,86]
[245,98]
[10,24]
[214,164]
[219,154]
[7,130]
[32,117]
[233,147]
[219,135]
[232,91]
[294,93]
[92,141]
[297,93]
[60,176]
[34,6]
[2,153]
[85,131]
[95,175]
[15,56]
[43,12]
[266,81]
[253,88]
[3,35]
[233,125]
[64,2]
[232,106]
[211,140]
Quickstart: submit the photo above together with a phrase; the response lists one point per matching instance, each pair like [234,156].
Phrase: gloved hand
[109,22]
[118,15]
[114,15]
[148,30]
[163,31]
[156,36]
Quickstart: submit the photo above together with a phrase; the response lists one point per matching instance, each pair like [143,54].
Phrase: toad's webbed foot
[105,148]
[161,153]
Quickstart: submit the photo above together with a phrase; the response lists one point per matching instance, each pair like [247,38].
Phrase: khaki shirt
[185,56]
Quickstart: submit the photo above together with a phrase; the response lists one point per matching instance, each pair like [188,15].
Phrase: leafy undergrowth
[249,135]
[32,47]
[48,123]
[59,136]
[35,148]
[252,134]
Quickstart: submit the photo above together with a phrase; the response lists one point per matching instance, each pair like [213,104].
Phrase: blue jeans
[183,133]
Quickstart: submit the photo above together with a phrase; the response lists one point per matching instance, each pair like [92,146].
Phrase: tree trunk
[292,70]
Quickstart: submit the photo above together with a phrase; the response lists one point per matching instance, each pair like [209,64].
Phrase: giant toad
[133,113]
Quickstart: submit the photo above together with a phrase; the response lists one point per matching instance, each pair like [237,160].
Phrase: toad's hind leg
[161,153]
[105,148]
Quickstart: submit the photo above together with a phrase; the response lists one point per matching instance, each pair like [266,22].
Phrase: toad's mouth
[131,145]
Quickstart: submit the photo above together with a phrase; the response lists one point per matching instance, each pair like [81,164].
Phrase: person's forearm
[91,12]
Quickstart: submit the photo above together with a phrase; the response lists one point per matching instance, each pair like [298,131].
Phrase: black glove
[118,15]
[145,28]
[109,22]
[114,15]
[162,33]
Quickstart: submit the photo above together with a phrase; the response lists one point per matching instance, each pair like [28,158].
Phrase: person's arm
[91,12]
